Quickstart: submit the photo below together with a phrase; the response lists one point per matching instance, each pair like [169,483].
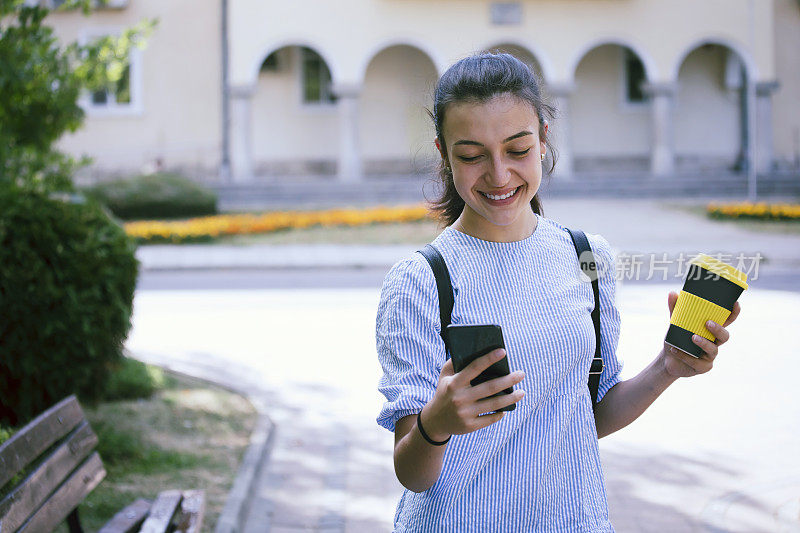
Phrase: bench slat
[38,435]
[128,519]
[67,497]
[193,507]
[161,512]
[33,491]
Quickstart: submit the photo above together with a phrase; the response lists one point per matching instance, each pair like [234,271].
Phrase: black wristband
[425,435]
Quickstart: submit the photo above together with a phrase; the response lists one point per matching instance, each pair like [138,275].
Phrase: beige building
[340,88]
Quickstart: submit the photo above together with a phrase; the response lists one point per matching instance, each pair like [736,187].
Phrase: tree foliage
[67,279]
[67,269]
[41,81]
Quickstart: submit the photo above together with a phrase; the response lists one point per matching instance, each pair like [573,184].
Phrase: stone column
[662,153]
[241,133]
[560,129]
[349,165]
[764,154]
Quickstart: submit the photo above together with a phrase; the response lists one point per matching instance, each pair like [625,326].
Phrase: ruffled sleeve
[410,350]
[609,313]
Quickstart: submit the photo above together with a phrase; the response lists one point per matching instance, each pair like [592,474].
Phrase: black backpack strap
[443,285]
[589,267]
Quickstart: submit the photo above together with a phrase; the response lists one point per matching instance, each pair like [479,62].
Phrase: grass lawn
[189,435]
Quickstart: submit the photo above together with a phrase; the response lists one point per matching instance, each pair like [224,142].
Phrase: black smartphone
[467,342]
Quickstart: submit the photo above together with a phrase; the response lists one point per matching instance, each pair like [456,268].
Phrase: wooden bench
[55,453]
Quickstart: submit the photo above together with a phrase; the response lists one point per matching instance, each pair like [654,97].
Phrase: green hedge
[67,278]
[155,196]
[133,380]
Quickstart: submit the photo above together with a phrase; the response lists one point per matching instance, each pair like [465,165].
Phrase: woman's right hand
[456,406]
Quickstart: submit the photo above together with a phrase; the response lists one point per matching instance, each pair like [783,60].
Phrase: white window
[315,79]
[124,97]
[118,95]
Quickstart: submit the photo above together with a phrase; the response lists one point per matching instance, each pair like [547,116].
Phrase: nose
[498,174]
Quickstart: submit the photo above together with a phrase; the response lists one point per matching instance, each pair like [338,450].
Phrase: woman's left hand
[679,364]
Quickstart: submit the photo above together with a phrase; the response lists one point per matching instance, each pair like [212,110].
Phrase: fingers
[672,298]
[493,386]
[734,313]
[496,402]
[480,364]
[486,420]
[698,365]
[708,347]
[718,331]
[447,369]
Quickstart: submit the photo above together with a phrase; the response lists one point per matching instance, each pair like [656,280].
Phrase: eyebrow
[476,143]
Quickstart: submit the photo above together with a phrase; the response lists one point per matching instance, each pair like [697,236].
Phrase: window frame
[325,104]
[135,107]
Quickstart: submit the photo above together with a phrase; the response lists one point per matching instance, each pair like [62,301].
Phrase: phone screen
[468,342]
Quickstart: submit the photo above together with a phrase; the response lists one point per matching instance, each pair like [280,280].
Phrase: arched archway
[523,54]
[710,112]
[735,48]
[610,112]
[294,119]
[395,130]
[273,47]
[431,53]
[647,61]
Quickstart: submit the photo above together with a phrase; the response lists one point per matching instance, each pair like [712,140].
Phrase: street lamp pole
[752,176]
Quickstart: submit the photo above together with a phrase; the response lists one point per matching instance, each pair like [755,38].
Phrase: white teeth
[493,197]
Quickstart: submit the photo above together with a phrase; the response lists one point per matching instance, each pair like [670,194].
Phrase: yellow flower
[239,224]
[755,210]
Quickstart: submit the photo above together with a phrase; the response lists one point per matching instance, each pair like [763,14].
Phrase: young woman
[536,468]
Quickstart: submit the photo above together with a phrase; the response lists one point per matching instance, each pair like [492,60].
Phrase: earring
[542,156]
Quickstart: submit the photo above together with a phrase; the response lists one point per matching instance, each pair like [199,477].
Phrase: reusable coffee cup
[709,292]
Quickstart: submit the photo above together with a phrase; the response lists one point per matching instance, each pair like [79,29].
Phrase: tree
[41,81]
[67,270]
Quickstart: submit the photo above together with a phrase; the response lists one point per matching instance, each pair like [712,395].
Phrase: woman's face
[494,151]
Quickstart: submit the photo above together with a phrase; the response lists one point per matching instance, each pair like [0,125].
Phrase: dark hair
[478,78]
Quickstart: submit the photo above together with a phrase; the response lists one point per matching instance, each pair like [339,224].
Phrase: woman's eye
[520,153]
[468,159]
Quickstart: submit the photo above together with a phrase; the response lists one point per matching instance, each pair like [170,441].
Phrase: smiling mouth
[501,196]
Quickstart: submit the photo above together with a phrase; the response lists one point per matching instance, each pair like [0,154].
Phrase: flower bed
[759,211]
[205,229]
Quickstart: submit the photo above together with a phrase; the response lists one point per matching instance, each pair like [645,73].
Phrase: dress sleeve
[609,314]
[409,347]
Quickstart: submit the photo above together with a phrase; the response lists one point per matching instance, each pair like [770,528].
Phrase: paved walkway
[714,453]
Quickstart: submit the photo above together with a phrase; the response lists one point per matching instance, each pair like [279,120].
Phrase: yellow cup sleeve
[691,313]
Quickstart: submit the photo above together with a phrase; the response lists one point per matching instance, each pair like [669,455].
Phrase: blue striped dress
[537,469]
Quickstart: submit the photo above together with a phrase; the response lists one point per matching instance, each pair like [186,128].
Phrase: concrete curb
[205,257]
[237,504]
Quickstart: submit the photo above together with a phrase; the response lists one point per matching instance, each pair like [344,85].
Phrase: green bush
[133,379]
[67,278]
[155,196]
[5,434]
